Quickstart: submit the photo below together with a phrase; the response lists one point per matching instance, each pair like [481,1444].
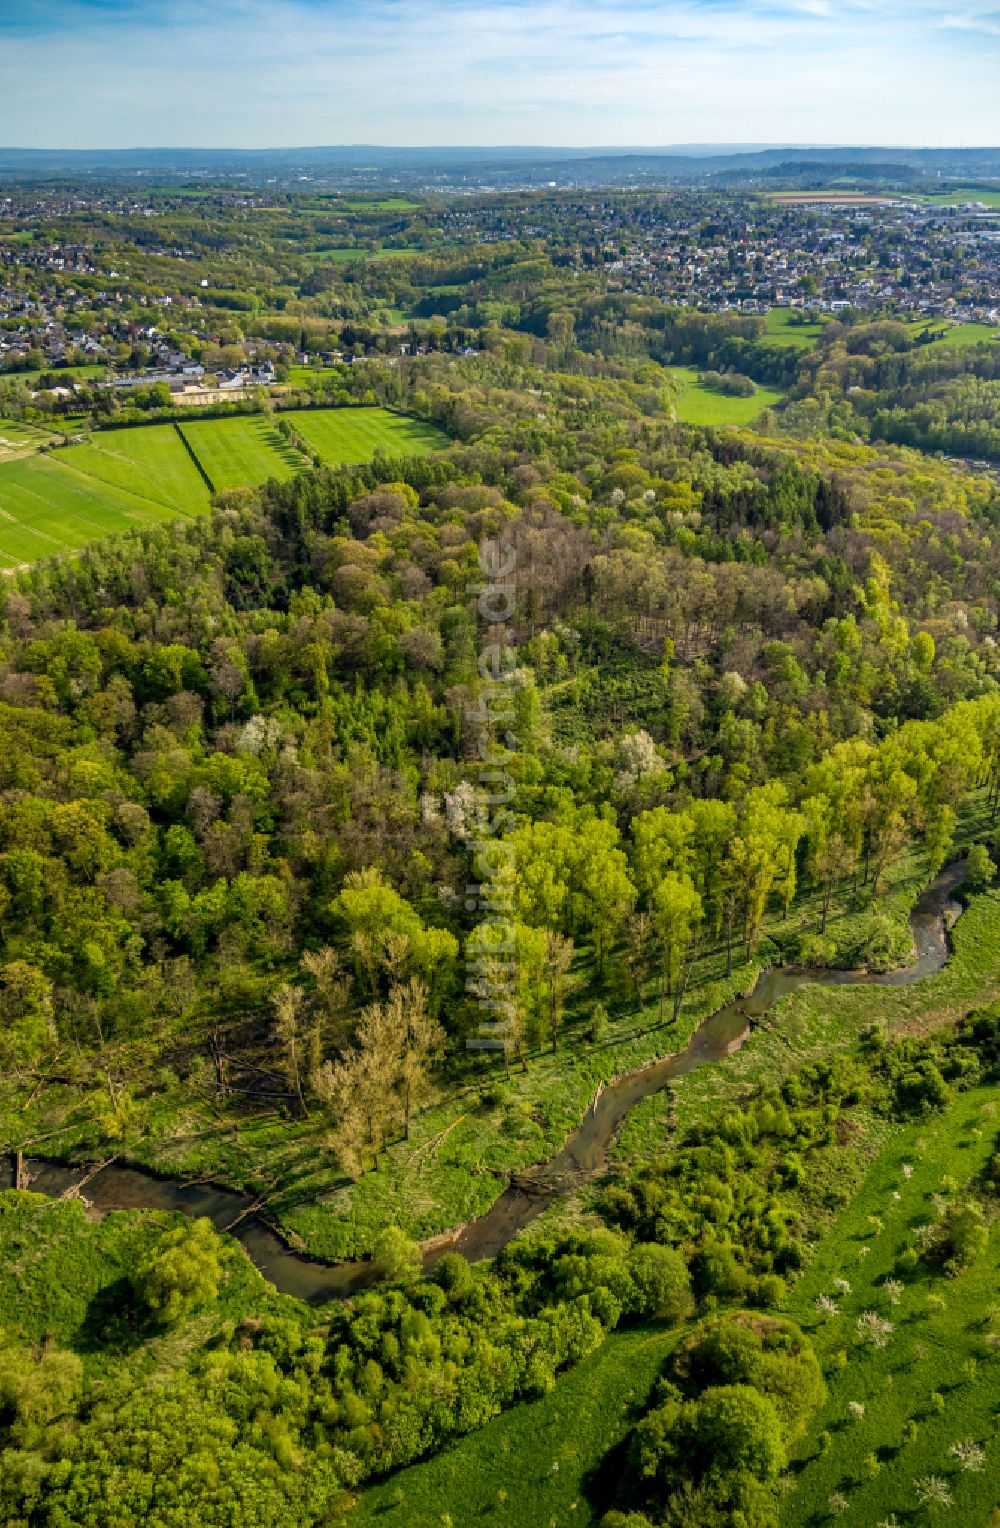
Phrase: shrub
[980,871]
[180,1273]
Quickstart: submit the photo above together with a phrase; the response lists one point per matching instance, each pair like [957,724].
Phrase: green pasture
[960,194]
[17,436]
[150,462]
[698,404]
[341,255]
[56,502]
[969,334]
[67,374]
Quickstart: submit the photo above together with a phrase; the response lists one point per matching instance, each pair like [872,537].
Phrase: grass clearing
[531,1465]
[151,462]
[340,255]
[698,404]
[54,503]
[963,194]
[965,335]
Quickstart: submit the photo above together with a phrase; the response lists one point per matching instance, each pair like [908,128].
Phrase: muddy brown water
[583,1155]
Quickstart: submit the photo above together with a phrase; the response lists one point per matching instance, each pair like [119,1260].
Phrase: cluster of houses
[184,376]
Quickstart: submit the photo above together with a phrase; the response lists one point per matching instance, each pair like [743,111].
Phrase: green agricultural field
[534,1464]
[241,451]
[698,404]
[49,507]
[783,330]
[354,435]
[56,503]
[64,375]
[940,1368]
[379,204]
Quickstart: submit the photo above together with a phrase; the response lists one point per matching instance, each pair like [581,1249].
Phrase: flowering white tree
[969,1455]
[636,757]
[893,1291]
[873,1328]
[932,1491]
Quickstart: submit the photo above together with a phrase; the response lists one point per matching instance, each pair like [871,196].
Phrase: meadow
[699,404]
[53,503]
[970,334]
[962,194]
[151,463]
[339,254]
[18,437]
[49,507]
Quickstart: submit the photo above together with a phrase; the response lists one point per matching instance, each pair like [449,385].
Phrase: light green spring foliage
[180,1274]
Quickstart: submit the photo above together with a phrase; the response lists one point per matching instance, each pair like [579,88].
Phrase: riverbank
[719,1037]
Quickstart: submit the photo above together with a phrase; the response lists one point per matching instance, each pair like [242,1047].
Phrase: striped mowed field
[245,450]
[53,503]
[345,436]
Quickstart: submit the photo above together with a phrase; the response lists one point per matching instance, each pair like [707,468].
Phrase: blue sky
[256,73]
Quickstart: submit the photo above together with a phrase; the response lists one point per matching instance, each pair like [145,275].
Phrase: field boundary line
[194,456]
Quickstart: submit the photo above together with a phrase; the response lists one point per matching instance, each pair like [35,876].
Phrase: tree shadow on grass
[114,1321]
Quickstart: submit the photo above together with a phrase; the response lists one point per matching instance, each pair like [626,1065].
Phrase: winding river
[584,1153]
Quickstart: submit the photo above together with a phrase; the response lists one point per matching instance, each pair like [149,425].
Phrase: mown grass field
[941,1351]
[965,194]
[534,1465]
[240,451]
[52,504]
[354,435]
[340,254]
[698,404]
